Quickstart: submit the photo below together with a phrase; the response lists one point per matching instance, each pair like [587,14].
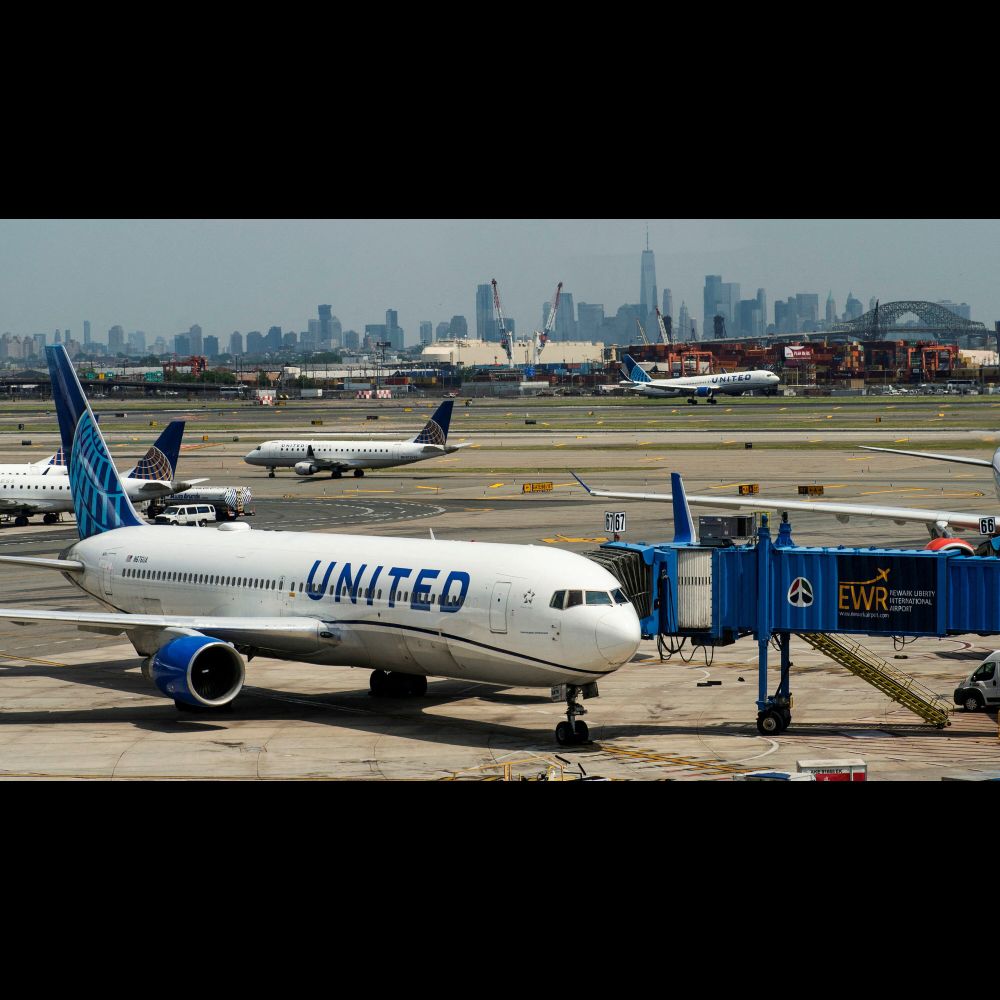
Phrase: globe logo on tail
[800,593]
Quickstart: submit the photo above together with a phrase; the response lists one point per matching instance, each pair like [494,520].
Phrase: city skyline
[164,277]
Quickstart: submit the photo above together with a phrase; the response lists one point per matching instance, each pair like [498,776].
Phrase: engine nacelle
[950,545]
[305,468]
[198,670]
[703,391]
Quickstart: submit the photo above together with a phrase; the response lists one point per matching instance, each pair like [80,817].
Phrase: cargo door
[498,607]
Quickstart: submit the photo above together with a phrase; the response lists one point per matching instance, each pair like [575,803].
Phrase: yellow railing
[898,685]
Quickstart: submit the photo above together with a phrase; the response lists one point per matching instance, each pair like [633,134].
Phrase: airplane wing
[961,459]
[284,634]
[842,511]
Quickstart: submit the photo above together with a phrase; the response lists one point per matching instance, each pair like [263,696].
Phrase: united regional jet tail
[696,387]
[308,457]
[191,602]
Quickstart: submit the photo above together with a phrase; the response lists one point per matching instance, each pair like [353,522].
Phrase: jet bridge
[714,594]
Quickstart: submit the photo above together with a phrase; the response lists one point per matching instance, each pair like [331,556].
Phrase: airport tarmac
[74,705]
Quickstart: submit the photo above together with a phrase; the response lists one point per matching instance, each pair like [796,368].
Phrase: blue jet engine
[198,670]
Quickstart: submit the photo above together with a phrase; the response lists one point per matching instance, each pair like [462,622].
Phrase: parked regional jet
[338,457]
[695,387]
[191,602]
[54,465]
[48,492]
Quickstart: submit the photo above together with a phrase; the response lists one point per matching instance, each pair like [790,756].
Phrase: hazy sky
[161,276]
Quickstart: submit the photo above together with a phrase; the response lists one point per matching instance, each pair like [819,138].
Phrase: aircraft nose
[618,635]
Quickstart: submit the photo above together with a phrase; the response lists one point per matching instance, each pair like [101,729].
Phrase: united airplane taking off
[191,605]
[338,457]
[695,387]
[48,492]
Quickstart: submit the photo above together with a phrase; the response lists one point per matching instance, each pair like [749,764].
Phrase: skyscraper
[762,305]
[116,340]
[565,318]
[194,335]
[487,327]
[713,294]
[459,327]
[325,326]
[831,308]
[684,324]
[442,331]
[426,332]
[136,342]
[393,331]
[86,331]
[211,347]
[589,320]
[853,309]
[647,282]
[668,303]
[236,342]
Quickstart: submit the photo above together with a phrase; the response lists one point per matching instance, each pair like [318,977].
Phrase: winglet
[582,483]
[683,524]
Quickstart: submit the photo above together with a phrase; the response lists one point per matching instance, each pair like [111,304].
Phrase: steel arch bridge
[877,322]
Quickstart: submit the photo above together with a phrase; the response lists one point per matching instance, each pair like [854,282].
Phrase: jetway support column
[773,714]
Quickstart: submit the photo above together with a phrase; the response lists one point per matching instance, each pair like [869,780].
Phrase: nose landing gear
[572,732]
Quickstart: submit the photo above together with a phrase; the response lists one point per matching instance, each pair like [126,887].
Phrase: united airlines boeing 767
[192,602]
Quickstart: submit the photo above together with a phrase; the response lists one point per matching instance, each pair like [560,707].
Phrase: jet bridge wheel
[772,722]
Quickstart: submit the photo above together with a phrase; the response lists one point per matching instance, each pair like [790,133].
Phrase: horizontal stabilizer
[64,565]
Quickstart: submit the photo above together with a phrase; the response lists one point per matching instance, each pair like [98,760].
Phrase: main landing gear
[358,473]
[50,518]
[335,474]
[20,521]
[393,684]
[572,733]
[270,473]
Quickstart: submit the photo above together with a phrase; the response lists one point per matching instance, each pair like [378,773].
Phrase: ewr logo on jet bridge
[800,593]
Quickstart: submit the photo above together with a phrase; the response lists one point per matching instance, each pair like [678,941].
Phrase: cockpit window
[573,598]
[557,599]
[598,597]
[619,597]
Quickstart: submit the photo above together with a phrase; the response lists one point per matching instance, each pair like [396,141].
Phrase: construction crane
[664,334]
[550,323]
[642,333]
[502,324]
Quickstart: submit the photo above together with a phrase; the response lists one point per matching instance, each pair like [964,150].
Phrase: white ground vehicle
[980,689]
[197,514]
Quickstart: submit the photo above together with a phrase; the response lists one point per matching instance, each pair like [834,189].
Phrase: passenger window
[558,599]
[598,597]
[573,598]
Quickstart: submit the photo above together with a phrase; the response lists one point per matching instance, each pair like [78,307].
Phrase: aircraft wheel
[336,475]
[50,518]
[582,734]
[358,473]
[20,521]
[417,685]
[564,734]
[270,475]
[379,684]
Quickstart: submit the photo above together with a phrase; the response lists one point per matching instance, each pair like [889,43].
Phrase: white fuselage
[453,609]
[343,454]
[731,385]
[45,494]
[30,469]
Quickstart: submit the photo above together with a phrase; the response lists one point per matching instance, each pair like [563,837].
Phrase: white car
[198,514]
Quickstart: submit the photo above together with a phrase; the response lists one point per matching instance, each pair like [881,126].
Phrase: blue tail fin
[436,429]
[99,498]
[160,462]
[635,373]
[683,522]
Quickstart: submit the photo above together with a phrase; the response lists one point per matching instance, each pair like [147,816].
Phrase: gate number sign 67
[987,525]
[614,521]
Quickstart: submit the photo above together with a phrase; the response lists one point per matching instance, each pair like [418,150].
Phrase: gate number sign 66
[987,525]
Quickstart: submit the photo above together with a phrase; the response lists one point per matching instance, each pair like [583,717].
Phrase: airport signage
[536,487]
[749,489]
[987,525]
[881,593]
[614,522]
[153,376]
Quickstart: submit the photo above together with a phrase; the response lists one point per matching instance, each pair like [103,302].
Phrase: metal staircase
[897,684]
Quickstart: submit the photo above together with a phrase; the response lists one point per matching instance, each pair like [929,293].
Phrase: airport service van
[196,514]
[980,688]
[228,502]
